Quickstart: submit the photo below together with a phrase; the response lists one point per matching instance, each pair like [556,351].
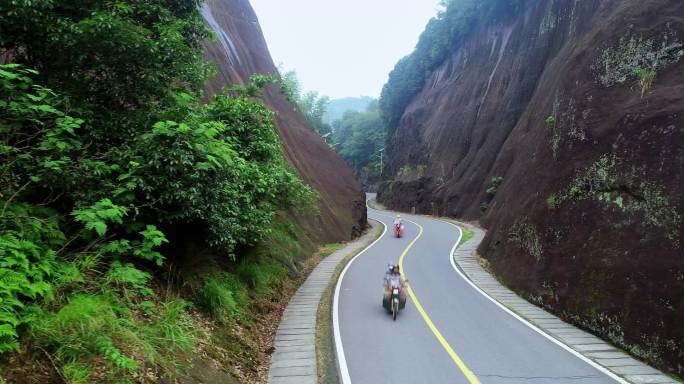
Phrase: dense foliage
[442,34]
[310,104]
[105,147]
[359,139]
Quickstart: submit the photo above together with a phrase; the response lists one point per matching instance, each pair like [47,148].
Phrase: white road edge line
[341,360]
[524,321]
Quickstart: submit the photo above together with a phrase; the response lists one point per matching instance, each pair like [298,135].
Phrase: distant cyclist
[398,227]
[397,220]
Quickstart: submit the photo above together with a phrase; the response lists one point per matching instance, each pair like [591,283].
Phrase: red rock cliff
[578,106]
[240,51]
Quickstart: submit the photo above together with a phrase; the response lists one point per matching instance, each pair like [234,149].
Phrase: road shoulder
[584,344]
[294,359]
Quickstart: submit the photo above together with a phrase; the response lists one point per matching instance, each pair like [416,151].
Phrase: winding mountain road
[449,332]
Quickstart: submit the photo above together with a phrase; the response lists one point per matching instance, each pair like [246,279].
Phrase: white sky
[342,47]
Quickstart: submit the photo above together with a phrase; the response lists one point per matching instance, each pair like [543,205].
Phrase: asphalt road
[487,343]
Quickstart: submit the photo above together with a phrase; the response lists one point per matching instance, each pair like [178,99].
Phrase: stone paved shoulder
[588,345]
[294,358]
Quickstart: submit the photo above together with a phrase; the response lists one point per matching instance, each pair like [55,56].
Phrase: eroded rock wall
[240,50]
[561,129]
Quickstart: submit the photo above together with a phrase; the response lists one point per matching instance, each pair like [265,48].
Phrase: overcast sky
[342,47]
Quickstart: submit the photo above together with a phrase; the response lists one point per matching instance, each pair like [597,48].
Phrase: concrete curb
[585,344]
[294,359]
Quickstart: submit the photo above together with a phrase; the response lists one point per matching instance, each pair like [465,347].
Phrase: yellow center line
[469,375]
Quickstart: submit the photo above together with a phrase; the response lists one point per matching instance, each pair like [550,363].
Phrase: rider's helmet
[398,216]
[395,268]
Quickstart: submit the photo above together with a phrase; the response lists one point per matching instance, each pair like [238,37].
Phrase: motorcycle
[398,230]
[394,299]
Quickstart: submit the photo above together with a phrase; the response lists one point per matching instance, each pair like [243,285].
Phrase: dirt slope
[240,51]
[587,218]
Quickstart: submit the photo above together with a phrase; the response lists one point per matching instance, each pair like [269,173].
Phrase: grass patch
[98,338]
[261,277]
[329,249]
[325,346]
[467,235]
[223,296]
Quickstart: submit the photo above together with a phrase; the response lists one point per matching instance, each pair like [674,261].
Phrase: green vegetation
[550,121]
[104,151]
[467,235]
[646,77]
[553,201]
[627,189]
[223,296]
[442,35]
[329,249]
[359,139]
[310,104]
[358,136]
[494,185]
[636,57]
[102,325]
[525,235]
[418,170]
[338,107]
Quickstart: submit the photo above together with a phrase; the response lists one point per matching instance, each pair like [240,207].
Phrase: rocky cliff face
[562,130]
[240,51]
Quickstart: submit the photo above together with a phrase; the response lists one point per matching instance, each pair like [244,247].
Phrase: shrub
[127,277]
[645,77]
[525,235]
[494,185]
[552,201]
[404,171]
[550,122]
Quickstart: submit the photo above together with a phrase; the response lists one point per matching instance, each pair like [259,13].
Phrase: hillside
[156,214]
[337,107]
[559,126]
[241,51]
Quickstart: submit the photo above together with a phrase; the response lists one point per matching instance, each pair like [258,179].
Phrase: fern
[26,261]
[126,276]
[99,214]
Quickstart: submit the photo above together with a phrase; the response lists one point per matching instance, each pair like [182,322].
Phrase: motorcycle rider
[397,220]
[394,274]
[398,226]
[388,273]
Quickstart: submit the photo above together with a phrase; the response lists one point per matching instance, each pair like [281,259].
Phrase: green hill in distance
[337,107]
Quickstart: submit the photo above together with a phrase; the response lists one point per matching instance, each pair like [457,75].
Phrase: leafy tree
[311,104]
[359,138]
[106,148]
